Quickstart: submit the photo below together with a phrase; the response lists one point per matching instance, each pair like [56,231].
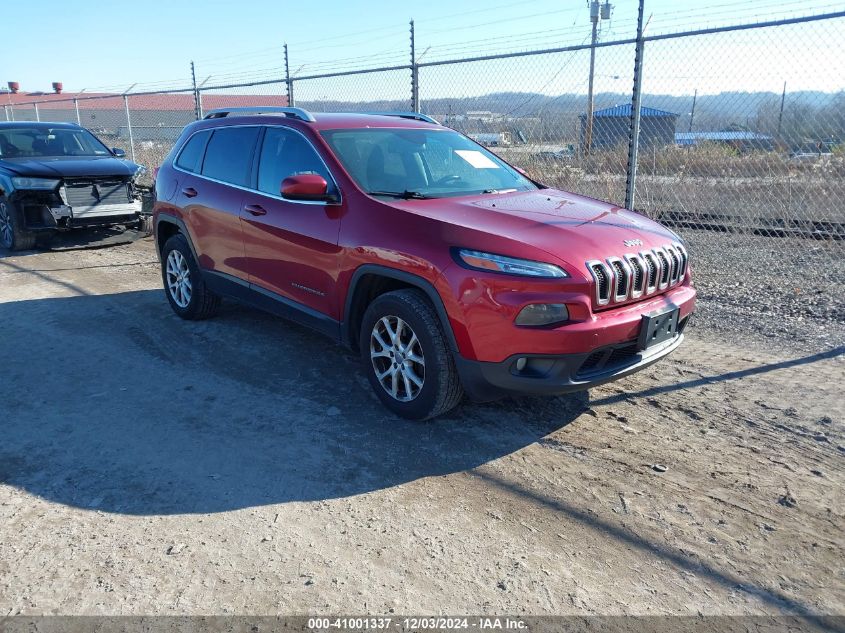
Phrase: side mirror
[306,187]
[118,153]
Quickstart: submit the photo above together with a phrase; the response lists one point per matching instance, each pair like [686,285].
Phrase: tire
[192,301]
[422,390]
[12,236]
[145,225]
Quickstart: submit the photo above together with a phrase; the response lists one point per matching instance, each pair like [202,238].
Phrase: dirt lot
[241,465]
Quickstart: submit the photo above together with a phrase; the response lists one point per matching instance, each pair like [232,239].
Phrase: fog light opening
[532,367]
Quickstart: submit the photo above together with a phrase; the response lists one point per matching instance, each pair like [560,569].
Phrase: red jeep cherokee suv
[446,268]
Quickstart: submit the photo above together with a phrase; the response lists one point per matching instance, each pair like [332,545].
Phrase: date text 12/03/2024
[437,623]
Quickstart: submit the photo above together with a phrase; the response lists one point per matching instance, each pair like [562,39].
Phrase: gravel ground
[790,294]
[242,466]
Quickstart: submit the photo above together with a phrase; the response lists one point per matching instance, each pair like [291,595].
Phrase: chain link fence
[747,165]
[540,133]
[380,90]
[763,156]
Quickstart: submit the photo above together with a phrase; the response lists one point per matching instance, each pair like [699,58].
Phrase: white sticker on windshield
[476,159]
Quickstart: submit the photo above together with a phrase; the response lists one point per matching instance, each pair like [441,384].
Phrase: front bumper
[555,374]
[39,215]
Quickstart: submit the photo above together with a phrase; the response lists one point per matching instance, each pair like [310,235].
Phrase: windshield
[38,141]
[421,163]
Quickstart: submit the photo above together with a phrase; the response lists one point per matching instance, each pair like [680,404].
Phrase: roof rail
[294,113]
[416,116]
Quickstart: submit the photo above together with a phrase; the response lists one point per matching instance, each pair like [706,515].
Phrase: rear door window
[190,158]
[229,154]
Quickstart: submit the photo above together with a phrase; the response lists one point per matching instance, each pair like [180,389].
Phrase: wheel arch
[372,280]
[166,226]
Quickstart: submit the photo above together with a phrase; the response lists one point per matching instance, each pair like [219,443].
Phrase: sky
[118,44]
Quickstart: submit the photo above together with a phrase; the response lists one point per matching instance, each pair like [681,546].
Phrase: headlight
[509,265]
[38,184]
[542,314]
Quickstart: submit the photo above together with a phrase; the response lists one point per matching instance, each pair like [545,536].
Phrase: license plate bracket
[658,327]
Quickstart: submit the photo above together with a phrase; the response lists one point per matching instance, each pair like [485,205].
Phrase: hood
[69,166]
[570,227]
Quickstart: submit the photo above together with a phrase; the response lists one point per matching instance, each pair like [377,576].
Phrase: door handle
[255,209]
[189,192]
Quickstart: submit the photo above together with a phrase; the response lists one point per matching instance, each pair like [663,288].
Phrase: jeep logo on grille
[633,242]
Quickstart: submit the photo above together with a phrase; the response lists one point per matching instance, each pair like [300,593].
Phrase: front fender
[411,279]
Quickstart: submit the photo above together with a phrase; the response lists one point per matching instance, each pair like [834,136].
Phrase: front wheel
[12,235]
[406,356]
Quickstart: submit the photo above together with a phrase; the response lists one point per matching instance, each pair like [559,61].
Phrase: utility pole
[636,99]
[692,112]
[780,115]
[598,12]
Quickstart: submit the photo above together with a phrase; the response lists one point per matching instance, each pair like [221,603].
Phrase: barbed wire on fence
[746,148]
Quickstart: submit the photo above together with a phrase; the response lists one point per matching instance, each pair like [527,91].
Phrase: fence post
[415,75]
[76,107]
[589,121]
[197,109]
[288,80]
[6,111]
[37,115]
[636,97]
[129,127]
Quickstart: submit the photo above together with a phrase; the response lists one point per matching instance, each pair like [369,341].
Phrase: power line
[308,47]
[226,68]
[500,21]
[676,19]
[572,57]
[692,17]
[555,35]
[486,9]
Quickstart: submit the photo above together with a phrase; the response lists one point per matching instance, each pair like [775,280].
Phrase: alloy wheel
[6,230]
[179,279]
[397,358]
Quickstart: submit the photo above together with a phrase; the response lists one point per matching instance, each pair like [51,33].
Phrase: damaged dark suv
[59,176]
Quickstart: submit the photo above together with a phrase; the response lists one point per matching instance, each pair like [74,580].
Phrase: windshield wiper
[404,195]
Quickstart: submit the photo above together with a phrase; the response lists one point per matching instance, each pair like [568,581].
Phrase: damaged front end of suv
[57,177]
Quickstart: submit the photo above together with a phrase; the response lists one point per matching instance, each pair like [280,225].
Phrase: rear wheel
[12,235]
[406,356]
[183,283]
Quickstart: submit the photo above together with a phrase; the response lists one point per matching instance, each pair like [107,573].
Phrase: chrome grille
[632,276]
[675,263]
[653,270]
[621,278]
[638,275]
[665,271]
[603,278]
[682,252]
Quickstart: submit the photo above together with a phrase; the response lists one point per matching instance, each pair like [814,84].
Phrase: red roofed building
[154,117]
